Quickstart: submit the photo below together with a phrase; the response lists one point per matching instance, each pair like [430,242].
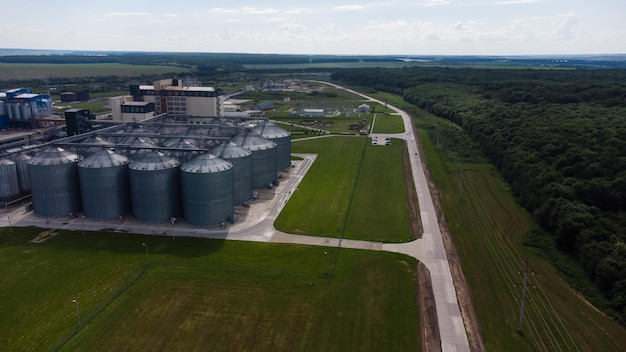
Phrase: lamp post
[77,311]
[145,245]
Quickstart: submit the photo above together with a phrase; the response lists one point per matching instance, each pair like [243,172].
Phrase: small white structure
[363,109]
[313,112]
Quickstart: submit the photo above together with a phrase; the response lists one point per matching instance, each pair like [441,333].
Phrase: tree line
[556,136]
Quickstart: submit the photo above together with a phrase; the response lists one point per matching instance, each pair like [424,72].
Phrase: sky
[341,27]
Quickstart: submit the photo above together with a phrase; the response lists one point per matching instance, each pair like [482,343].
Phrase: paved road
[255,223]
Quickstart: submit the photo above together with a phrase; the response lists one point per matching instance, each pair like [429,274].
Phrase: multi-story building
[172,97]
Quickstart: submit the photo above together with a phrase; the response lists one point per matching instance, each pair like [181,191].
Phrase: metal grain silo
[263,157]
[97,141]
[53,176]
[281,137]
[207,190]
[242,169]
[137,143]
[180,143]
[9,185]
[104,185]
[154,187]
[21,162]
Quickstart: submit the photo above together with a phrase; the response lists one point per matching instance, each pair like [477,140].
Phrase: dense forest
[557,136]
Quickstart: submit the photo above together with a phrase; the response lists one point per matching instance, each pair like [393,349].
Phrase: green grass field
[199,295]
[379,209]
[44,71]
[388,124]
[488,229]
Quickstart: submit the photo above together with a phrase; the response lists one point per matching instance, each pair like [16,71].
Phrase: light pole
[9,218]
[145,245]
[77,311]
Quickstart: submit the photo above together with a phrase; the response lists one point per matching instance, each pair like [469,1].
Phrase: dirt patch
[464,296]
[429,334]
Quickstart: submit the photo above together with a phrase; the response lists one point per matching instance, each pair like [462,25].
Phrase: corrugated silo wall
[263,167]
[22,175]
[242,179]
[208,197]
[105,192]
[155,194]
[9,186]
[55,189]
[283,152]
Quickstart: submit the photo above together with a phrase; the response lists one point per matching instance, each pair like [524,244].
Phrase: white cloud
[348,8]
[514,2]
[127,14]
[436,2]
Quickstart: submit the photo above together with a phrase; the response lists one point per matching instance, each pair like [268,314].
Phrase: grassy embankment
[489,230]
[328,204]
[199,294]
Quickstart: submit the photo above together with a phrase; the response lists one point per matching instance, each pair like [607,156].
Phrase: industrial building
[20,108]
[164,169]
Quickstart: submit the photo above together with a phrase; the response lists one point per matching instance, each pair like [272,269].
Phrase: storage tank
[53,176]
[263,157]
[97,141]
[25,111]
[137,143]
[104,185]
[207,190]
[281,137]
[242,169]
[180,143]
[154,187]
[9,186]
[21,162]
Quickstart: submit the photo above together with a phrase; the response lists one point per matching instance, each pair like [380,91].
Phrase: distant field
[359,64]
[200,295]
[43,71]
[379,208]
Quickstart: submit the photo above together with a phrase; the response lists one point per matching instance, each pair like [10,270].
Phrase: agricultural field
[342,193]
[490,229]
[15,71]
[198,294]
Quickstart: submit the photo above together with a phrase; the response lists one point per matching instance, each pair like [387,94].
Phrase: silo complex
[154,187]
[207,190]
[263,157]
[53,176]
[9,185]
[242,169]
[281,137]
[104,185]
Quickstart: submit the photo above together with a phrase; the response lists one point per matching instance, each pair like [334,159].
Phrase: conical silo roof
[54,156]
[230,150]
[269,130]
[252,141]
[182,143]
[206,163]
[153,160]
[5,161]
[103,158]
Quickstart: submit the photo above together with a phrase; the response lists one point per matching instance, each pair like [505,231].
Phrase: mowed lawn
[388,124]
[200,295]
[327,202]
[45,71]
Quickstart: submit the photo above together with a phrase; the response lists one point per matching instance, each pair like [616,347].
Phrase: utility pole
[521,312]
[461,182]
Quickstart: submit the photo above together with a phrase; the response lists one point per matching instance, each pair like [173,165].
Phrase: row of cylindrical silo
[14,179]
[154,187]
